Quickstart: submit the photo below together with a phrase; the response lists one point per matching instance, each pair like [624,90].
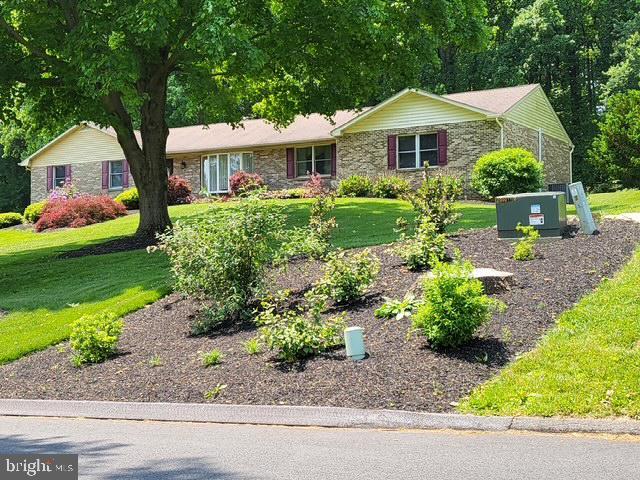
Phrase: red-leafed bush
[315,186]
[241,183]
[79,212]
[179,191]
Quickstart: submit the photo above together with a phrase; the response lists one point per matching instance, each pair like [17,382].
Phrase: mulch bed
[400,373]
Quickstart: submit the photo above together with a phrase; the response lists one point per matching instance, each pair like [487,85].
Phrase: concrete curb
[335,417]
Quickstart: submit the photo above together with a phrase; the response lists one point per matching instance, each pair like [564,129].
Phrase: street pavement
[119,449]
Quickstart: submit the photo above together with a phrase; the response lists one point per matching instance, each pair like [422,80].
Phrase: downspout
[540,152]
[501,132]
[573,147]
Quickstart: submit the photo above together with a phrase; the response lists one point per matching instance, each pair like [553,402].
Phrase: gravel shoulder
[400,373]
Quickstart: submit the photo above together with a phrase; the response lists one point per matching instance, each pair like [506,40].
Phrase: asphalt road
[120,449]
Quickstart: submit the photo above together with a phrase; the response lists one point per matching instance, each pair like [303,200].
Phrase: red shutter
[105,175]
[49,179]
[67,173]
[392,153]
[125,174]
[291,164]
[442,148]
[334,155]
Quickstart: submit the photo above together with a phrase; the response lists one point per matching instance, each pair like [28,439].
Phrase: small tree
[434,201]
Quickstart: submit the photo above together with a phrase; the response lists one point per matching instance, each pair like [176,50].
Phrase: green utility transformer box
[546,211]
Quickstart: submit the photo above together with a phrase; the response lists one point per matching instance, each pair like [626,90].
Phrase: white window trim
[417,150]
[208,155]
[63,178]
[313,159]
[111,187]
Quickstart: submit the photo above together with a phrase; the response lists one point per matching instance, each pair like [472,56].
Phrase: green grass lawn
[42,294]
[624,201]
[587,365]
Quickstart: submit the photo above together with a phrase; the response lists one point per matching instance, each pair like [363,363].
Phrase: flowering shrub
[79,212]
[315,186]
[10,219]
[65,192]
[129,198]
[179,191]
[241,183]
[33,212]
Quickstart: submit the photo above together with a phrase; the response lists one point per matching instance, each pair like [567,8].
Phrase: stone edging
[334,417]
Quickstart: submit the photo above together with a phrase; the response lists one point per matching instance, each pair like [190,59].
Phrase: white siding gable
[414,110]
[84,145]
[535,111]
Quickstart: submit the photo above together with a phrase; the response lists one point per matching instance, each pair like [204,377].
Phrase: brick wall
[365,153]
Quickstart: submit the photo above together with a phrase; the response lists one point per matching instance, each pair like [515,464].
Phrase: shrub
[242,183]
[221,259]
[391,187]
[33,212]
[355,186]
[454,307]
[178,191]
[79,212]
[94,338]
[212,358]
[434,200]
[67,191]
[10,219]
[347,277]
[511,170]
[525,248]
[253,346]
[315,186]
[285,194]
[425,248]
[129,198]
[301,332]
[398,309]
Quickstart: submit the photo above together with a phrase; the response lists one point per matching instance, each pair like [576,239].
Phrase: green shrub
[391,187]
[129,198]
[285,194]
[253,346]
[212,358]
[511,170]
[34,211]
[94,338]
[398,309]
[347,277]
[355,186]
[314,240]
[425,248]
[300,332]
[434,200]
[221,259]
[525,248]
[10,219]
[454,307]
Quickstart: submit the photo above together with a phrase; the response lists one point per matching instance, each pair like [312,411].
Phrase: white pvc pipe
[354,342]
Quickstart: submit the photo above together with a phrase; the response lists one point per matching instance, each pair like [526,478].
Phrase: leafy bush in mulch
[355,186]
[79,212]
[425,248]
[178,191]
[296,333]
[94,338]
[454,305]
[211,358]
[242,183]
[435,199]
[398,309]
[314,240]
[390,187]
[129,198]
[10,219]
[525,247]
[221,259]
[34,211]
[348,276]
[511,170]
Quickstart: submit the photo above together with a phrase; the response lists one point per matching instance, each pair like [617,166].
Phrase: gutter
[573,147]
[498,121]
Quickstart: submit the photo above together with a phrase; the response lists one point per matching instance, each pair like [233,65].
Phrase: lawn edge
[305,416]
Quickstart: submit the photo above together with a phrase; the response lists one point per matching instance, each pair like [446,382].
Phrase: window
[218,168]
[416,151]
[116,175]
[59,175]
[316,158]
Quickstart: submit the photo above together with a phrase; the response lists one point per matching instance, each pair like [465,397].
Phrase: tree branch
[33,49]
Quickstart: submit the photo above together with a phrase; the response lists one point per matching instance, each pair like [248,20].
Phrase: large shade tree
[110,61]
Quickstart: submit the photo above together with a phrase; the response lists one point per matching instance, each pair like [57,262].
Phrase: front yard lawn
[589,364]
[42,293]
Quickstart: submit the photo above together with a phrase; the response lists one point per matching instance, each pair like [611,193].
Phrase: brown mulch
[400,373]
